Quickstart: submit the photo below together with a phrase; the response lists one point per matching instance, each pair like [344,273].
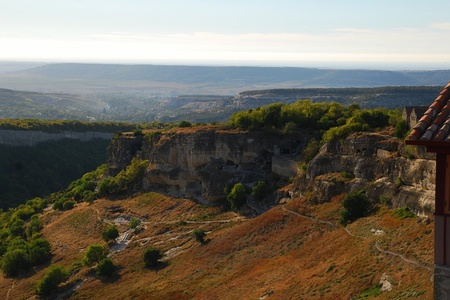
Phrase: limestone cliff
[378,162]
[198,163]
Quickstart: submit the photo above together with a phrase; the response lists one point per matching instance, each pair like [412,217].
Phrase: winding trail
[401,256]
[10,289]
[310,218]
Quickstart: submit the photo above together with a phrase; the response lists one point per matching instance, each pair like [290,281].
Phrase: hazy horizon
[350,34]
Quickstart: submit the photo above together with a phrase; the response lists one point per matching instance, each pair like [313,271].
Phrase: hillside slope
[277,255]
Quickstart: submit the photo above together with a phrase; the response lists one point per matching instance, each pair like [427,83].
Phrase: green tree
[39,251]
[260,190]
[182,124]
[14,261]
[52,278]
[16,226]
[94,254]
[236,197]
[105,268]
[68,204]
[151,257]
[356,205]
[401,129]
[111,233]
[199,235]
[33,226]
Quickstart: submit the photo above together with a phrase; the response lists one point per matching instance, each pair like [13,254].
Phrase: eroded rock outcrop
[378,162]
[198,163]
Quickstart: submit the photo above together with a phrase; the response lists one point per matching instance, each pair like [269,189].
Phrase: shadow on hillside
[161,265]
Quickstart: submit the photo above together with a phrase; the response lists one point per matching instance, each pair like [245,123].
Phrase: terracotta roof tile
[434,125]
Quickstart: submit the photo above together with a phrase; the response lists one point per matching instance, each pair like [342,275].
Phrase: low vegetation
[152,257]
[356,205]
[53,277]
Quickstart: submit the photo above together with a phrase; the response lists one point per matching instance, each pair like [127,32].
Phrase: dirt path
[421,265]
[10,289]
[310,218]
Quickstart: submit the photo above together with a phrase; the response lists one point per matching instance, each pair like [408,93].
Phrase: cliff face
[31,138]
[378,162]
[199,163]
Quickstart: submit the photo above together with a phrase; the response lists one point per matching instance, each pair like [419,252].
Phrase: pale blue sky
[387,34]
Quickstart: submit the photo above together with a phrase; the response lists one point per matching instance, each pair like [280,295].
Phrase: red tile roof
[434,126]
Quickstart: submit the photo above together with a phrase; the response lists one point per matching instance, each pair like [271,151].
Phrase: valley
[258,206]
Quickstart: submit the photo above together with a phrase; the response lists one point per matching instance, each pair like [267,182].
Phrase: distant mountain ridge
[227,76]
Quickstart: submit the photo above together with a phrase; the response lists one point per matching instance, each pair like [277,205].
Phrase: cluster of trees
[237,194]
[98,183]
[56,126]
[21,244]
[333,119]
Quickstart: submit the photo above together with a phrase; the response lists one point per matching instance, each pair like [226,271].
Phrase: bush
[15,261]
[403,213]
[236,196]
[105,268]
[111,233]
[401,129]
[260,190]
[199,235]
[53,277]
[184,124]
[152,256]
[69,204]
[356,205]
[33,226]
[94,254]
[39,251]
[134,223]
[311,150]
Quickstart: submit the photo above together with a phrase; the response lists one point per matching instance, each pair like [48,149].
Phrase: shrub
[69,204]
[111,233]
[401,129]
[403,213]
[134,223]
[105,268]
[138,132]
[311,150]
[53,277]
[199,235]
[33,226]
[15,261]
[152,256]
[184,124]
[260,190]
[16,226]
[39,251]
[356,205]
[94,254]
[236,196]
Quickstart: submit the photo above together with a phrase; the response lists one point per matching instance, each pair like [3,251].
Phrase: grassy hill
[277,255]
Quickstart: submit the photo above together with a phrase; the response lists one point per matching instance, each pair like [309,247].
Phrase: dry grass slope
[277,255]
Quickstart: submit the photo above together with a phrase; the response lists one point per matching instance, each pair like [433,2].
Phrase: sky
[365,34]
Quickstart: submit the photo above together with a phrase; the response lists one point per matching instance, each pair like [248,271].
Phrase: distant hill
[229,76]
[146,93]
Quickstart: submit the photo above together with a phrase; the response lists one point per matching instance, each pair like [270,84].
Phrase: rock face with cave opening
[199,162]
